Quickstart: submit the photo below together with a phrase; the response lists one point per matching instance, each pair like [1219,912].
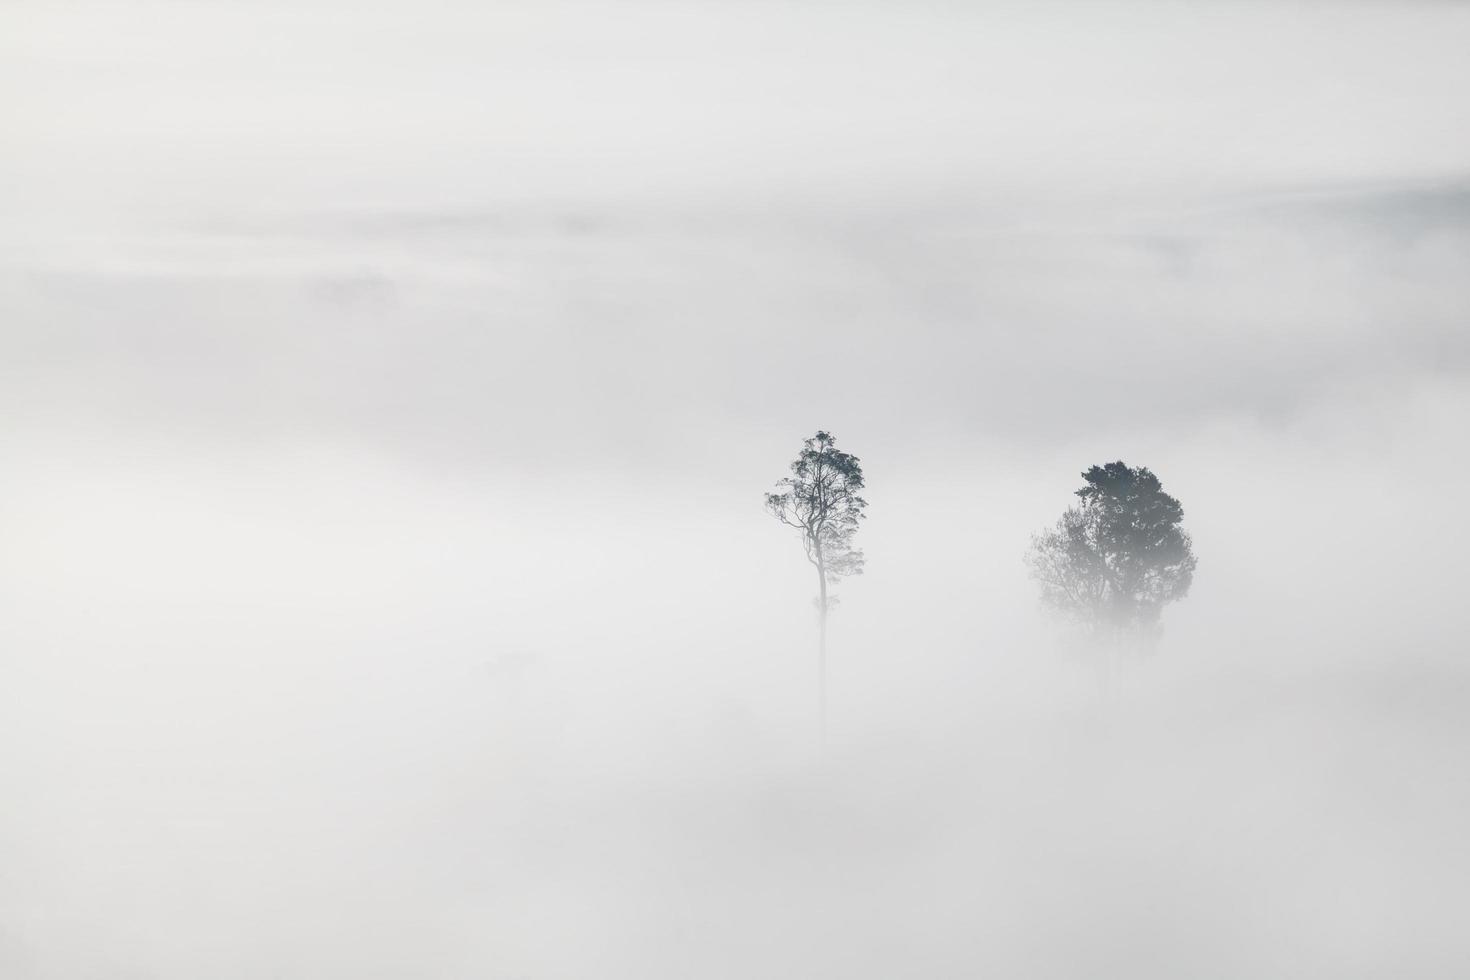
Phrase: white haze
[386,395]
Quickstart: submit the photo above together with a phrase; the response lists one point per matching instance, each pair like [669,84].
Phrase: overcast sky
[411,224]
[387,391]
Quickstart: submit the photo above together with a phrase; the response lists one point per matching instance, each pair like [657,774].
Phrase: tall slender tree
[1116,559]
[822,500]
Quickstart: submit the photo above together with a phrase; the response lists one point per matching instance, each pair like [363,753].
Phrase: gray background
[386,395]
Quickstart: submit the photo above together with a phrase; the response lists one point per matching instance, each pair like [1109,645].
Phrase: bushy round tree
[1113,561]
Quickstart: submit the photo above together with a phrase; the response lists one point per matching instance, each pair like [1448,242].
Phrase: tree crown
[1120,555]
[822,499]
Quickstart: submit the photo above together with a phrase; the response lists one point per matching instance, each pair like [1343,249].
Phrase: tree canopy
[1117,558]
[822,499]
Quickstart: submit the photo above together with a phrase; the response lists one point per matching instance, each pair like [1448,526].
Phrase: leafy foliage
[1117,558]
[822,499]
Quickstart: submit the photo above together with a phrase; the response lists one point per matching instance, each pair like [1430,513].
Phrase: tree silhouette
[821,499]
[1116,559]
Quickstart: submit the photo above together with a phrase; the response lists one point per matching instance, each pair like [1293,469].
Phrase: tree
[822,500]
[1116,559]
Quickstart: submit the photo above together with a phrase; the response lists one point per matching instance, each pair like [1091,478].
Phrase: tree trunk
[822,650]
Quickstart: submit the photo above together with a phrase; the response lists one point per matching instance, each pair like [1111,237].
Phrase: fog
[387,393]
